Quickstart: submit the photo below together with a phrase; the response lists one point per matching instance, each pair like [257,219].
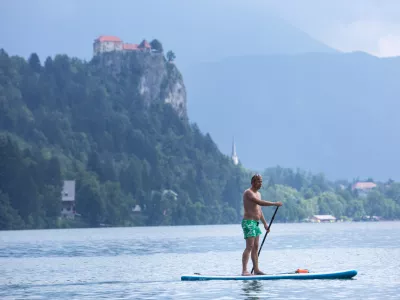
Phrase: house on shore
[323,219]
[68,210]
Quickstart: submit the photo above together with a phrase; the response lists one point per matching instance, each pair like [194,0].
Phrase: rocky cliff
[156,79]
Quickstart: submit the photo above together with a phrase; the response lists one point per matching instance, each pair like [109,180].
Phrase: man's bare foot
[259,273]
[246,273]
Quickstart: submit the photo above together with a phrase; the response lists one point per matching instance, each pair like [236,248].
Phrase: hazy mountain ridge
[335,113]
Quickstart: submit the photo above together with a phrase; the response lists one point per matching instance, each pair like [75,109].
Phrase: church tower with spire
[234,156]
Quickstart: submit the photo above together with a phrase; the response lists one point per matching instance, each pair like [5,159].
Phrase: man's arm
[260,202]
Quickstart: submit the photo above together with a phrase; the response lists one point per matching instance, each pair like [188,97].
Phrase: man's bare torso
[252,211]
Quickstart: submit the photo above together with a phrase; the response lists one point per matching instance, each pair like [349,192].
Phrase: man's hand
[266,227]
[278,203]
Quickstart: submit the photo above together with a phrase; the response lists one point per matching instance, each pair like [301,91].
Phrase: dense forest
[68,119]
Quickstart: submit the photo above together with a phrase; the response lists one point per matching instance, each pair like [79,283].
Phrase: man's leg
[254,256]
[246,255]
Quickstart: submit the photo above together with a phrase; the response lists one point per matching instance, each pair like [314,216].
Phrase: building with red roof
[144,46]
[109,38]
[363,188]
[109,43]
[131,47]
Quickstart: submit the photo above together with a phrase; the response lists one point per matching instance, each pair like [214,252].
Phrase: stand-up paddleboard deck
[346,274]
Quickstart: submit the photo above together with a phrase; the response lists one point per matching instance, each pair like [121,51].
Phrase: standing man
[252,215]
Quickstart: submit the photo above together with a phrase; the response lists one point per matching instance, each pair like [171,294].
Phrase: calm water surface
[147,262]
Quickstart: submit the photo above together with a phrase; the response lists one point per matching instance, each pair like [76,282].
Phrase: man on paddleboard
[252,215]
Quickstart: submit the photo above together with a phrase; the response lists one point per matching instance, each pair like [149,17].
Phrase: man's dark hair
[255,176]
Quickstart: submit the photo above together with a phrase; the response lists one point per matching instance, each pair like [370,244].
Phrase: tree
[393,192]
[90,203]
[232,194]
[34,63]
[355,209]
[53,172]
[52,201]
[170,56]
[9,218]
[156,45]
[94,163]
[373,203]
[117,206]
[48,64]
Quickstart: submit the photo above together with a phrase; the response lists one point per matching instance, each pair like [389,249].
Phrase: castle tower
[107,43]
[234,156]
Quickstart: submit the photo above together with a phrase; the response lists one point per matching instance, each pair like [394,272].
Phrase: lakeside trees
[71,119]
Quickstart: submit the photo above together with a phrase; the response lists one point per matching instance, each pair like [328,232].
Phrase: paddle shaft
[269,227]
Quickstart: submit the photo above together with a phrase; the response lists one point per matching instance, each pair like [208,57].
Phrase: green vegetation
[305,194]
[156,45]
[171,56]
[76,120]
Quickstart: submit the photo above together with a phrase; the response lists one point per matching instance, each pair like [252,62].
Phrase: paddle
[269,228]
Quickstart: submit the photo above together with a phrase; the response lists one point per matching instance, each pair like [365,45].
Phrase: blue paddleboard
[346,274]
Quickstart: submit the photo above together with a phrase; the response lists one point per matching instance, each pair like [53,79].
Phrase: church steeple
[234,156]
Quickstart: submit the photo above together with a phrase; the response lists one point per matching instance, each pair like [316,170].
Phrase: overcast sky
[372,26]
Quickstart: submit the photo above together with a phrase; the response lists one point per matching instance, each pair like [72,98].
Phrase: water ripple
[146,263]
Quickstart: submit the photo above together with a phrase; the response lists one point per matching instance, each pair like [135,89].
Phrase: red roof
[130,46]
[144,44]
[108,38]
[363,185]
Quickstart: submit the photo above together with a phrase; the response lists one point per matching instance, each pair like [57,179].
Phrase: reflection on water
[251,289]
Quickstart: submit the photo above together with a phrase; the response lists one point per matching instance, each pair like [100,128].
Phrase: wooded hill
[69,119]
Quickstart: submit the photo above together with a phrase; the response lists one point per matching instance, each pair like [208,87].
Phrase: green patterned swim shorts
[250,228]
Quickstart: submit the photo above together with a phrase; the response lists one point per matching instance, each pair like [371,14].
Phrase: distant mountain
[215,34]
[334,113]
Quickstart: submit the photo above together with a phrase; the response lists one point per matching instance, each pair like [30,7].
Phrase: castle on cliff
[109,43]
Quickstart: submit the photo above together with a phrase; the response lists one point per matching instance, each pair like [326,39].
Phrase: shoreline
[189,225]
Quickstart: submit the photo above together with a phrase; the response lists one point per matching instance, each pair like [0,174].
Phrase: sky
[372,26]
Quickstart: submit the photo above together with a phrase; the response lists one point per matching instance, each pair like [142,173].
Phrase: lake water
[147,262]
